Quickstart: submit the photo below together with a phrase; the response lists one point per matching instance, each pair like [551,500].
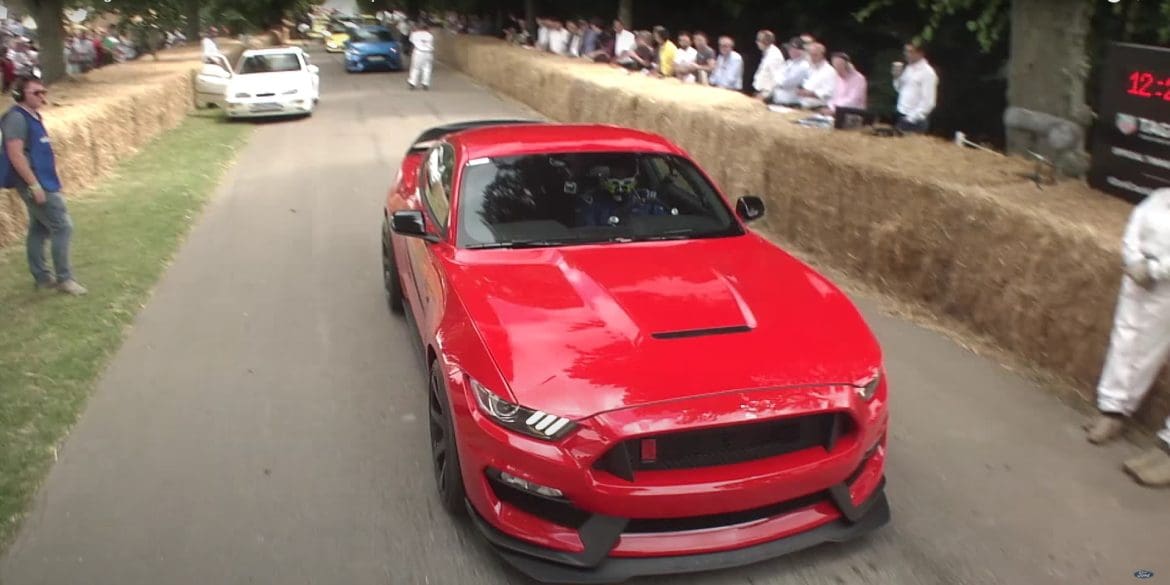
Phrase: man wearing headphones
[28,165]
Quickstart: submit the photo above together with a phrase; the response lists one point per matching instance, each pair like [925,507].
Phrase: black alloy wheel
[444,450]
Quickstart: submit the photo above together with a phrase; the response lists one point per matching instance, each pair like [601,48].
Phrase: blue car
[373,48]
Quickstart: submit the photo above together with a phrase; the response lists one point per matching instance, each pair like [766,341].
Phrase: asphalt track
[265,420]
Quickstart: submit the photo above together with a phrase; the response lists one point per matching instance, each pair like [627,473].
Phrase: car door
[435,189]
[314,73]
[212,82]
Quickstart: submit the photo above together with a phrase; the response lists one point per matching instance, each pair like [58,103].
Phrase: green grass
[54,347]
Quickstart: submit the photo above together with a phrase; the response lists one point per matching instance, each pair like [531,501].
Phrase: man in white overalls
[1140,342]
[422,56]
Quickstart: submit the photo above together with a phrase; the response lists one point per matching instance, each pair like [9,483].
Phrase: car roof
[521,139]
[273,51]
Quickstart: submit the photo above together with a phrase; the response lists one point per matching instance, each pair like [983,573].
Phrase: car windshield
[270,63]
[582,198]
[372,35]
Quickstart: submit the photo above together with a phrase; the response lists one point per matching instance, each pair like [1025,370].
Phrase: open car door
[212,82]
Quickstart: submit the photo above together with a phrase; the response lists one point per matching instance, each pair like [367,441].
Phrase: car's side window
[438,184]
[448,174]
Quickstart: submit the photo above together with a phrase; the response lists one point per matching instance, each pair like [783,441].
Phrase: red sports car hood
[581,330]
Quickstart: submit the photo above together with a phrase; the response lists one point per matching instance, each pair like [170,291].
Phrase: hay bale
[13,217]
[73,145]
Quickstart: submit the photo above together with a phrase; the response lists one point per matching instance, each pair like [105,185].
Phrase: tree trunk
[1049,64]
[626,13]
[1132,15]
[530,18]
[194,26]
[50,37]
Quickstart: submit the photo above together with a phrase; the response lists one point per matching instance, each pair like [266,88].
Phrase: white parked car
[266,82]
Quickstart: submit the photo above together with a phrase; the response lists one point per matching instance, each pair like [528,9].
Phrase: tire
[444,448]
[390,279]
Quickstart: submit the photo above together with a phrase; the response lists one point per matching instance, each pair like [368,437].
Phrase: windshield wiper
[686,234]
[679,234]
[521,244]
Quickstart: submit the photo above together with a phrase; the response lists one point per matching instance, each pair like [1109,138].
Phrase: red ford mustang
[624,380]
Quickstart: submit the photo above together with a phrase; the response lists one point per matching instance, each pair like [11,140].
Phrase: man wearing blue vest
[27,164]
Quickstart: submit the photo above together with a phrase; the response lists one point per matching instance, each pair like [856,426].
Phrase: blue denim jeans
[48,221]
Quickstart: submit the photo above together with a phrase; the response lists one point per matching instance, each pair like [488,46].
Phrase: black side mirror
[411,223]
[749,208]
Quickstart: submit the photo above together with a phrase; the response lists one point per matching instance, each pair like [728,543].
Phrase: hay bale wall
[108,115]
[958,231]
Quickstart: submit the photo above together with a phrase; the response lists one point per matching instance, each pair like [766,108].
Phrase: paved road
[264,421]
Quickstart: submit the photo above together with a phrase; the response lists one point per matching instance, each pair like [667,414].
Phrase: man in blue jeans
[28,165]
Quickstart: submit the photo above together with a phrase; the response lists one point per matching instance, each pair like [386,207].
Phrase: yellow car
[338,36]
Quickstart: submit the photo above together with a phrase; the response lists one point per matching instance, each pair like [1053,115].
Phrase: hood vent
[701,332]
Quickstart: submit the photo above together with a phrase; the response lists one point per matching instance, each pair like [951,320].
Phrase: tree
[49,15]
[626,12]
[193,21]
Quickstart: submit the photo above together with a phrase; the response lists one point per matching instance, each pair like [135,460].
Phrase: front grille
[724,445]
[265,94]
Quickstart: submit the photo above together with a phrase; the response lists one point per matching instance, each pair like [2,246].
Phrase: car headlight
[867,389]
[533,423]
[291,92]
[243,95]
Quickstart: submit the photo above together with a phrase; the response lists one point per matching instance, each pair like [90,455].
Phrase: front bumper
[263,107]
[707,517]
[593,566]
[373,62]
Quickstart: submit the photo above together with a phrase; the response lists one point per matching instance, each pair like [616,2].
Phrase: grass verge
[52,347]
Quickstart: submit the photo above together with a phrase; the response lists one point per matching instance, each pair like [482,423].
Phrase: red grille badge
[649,450]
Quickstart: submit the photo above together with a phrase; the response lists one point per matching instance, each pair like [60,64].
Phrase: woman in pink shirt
[851,85]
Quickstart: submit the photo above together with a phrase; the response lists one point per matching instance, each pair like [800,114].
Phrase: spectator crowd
[86,47]
[800,73]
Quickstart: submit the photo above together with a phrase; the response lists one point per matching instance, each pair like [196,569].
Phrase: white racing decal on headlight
[546,423]
[560,424]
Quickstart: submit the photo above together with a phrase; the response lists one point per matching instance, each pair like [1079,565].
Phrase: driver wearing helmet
[614,194]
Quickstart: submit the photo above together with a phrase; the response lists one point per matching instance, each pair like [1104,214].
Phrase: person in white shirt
[209,47]
[917,86]
[792,76]
[542,30]
[818,89]
[422,56]
[575,37]
[1140,341]
[770,65]
[728,70]
[684,59]
[558,37]
[624,43]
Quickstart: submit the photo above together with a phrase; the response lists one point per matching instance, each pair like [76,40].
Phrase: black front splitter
[561,567]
